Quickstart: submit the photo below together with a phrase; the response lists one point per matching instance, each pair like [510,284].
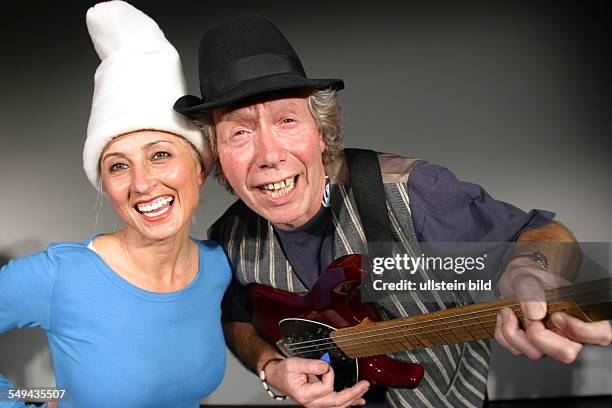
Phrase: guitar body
[300,325]
[331,323]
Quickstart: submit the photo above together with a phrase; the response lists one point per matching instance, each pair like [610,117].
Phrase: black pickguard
[310,339]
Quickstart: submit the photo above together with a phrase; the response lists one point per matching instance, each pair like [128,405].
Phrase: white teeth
[156,213]
[282,183]
[158,203]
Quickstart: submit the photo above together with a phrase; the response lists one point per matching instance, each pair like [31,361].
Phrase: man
[275,135]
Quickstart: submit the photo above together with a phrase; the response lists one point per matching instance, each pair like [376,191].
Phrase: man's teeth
[281,188]
[155,205]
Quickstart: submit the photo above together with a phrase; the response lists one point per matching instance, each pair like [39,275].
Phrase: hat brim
[190,105]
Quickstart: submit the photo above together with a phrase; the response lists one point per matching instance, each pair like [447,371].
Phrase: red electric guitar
[331,323]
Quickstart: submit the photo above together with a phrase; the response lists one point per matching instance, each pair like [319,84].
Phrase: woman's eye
[161,155]
[288,120]
[116,167]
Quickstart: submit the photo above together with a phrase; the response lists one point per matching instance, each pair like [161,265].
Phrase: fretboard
[590,301]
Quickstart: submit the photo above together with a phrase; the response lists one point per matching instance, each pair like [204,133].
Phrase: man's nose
[143,180]
[270,151]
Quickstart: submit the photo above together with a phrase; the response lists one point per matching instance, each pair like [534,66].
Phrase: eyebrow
[241,115]
[237,115]
[145,147]
[151,144]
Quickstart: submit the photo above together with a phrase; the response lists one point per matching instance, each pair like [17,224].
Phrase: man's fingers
[358,401]
[534,310]
[551,343]
[499,336]
[306,366]
[599,333]
[299,379]
[516,336]
[345,397]
[312,391]
[530,292]
[328,378]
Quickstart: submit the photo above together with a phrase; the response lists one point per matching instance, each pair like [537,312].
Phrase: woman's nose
[143,180]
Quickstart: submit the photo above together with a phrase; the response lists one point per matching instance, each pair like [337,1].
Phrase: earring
[326,201]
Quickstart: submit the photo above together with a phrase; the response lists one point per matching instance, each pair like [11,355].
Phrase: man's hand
[564,343]
[293,377]
[297,378]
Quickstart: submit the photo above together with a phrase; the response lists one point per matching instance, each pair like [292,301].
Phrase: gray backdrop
[512,95]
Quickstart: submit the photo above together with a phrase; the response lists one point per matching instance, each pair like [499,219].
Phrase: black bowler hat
[245,57]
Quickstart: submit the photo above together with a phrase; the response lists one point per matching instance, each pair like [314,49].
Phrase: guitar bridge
[282,346]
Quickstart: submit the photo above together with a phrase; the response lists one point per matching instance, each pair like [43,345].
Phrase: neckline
[316,226]
[141,293]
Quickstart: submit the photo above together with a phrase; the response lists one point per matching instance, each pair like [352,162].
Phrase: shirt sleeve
[445,209]
[26,286]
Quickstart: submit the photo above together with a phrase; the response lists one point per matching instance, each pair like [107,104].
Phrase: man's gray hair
[325,109]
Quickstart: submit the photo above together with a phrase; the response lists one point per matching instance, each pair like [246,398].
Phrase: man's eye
[238,136]
[116,167]
[288,120]
[161,155]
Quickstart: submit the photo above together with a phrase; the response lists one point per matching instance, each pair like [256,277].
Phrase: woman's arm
[26,288]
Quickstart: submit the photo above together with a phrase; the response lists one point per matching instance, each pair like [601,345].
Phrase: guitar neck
[590,301]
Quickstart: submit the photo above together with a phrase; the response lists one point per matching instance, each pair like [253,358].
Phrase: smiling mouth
[280,188]
[156,207]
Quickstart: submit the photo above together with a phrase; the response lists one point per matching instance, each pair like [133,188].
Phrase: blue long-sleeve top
[112,343]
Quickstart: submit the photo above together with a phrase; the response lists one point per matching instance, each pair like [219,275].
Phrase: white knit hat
[138,81]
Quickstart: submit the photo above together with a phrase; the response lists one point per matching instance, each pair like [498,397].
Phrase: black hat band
[255,66]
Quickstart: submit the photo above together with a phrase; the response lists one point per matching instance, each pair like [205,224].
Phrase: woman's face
[153,181]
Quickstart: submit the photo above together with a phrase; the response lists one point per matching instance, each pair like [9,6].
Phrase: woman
[132,317]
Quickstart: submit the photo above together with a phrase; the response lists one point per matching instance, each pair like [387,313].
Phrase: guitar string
[506,303]
[393,341]
[419,330]
[381,331]
[415,334]
[397,339]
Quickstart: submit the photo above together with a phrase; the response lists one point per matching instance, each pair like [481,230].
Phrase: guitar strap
[369,192]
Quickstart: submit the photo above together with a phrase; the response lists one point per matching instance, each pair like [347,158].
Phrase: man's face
[271,153]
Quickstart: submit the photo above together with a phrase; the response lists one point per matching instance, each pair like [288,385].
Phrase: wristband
[265,385]
[537,257]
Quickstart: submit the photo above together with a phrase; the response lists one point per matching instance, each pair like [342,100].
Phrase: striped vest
[455,375]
